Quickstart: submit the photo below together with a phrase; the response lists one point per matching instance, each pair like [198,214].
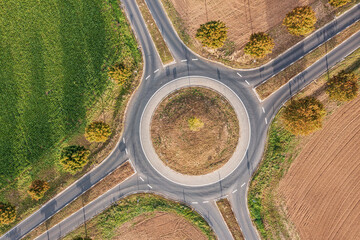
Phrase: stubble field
[322,187]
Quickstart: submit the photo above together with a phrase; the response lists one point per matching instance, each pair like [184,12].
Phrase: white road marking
[126,151]
[205,201]
[239,74]
[195,59]
[124,140]
[247,82]
[234,191]
[147,77]
[149,186]
[184,60]
[265,120]
[141,179]
[226,195]
[156,70]
[194,202]
[263,109]
[242,184]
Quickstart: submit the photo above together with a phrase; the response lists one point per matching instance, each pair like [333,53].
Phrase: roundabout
[211,174]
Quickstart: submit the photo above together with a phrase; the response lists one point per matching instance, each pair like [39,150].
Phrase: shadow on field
[82,37]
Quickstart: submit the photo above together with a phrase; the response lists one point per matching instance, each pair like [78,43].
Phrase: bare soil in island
[322,187]
[159,226]
[243,17]
[199,149]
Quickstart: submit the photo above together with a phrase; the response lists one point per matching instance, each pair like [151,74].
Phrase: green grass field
[54,57]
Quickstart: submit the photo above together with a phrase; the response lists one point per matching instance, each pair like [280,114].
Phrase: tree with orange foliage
[303,116]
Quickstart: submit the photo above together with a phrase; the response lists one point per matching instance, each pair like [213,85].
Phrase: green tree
[338,3]
[212,34]
[260,45]
[97,132]
[300,21]
[38,188]
[343,86]
[120,74]
[7,213]
[74,158]
[303,116]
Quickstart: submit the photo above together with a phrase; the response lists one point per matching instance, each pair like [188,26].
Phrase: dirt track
[322,186]
[242,17]
[159,226]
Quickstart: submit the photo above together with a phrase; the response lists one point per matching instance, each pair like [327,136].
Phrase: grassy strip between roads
[105,225]
[282,148]
[113,179]
[160,44]
[229,217]
[274,83]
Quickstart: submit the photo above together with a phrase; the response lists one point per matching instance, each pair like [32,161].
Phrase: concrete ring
[195,180]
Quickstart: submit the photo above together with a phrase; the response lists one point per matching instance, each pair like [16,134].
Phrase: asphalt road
[155,76]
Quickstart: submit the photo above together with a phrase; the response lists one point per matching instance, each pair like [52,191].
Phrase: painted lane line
[194,59]
[205,201]
[242,184]
[126,151]
[247,82]
[184,60]
[239,74]
[194,202]
[266,121]
[147,77]
[226,195]
[149,186]
[124,140]
[234,191]
[263,109]
[141,179]
[156,70]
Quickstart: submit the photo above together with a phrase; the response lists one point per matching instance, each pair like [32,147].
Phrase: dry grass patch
[229,217]
[274,83]
[160,44]
[110,181]
[195,131]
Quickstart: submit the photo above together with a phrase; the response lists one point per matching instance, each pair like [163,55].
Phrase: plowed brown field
[242,17]
[322,187]
[159,226]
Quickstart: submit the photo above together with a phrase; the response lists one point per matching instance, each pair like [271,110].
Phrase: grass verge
[160,44]
[227,213]
[282,148]
[274,83]
[113,179]
[105,225]
[60,88]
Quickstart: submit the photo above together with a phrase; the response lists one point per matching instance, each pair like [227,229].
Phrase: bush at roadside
[74,158]
[303,116]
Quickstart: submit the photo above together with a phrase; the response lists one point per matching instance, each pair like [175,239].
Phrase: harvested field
[322,187]
[167,225]
[242,17]
[195,131]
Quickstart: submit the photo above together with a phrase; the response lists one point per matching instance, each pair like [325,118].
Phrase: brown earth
[195,152]
[159,226]
[244,17]
[322,187]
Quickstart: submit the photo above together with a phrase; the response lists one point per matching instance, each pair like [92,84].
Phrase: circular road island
[194,130]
